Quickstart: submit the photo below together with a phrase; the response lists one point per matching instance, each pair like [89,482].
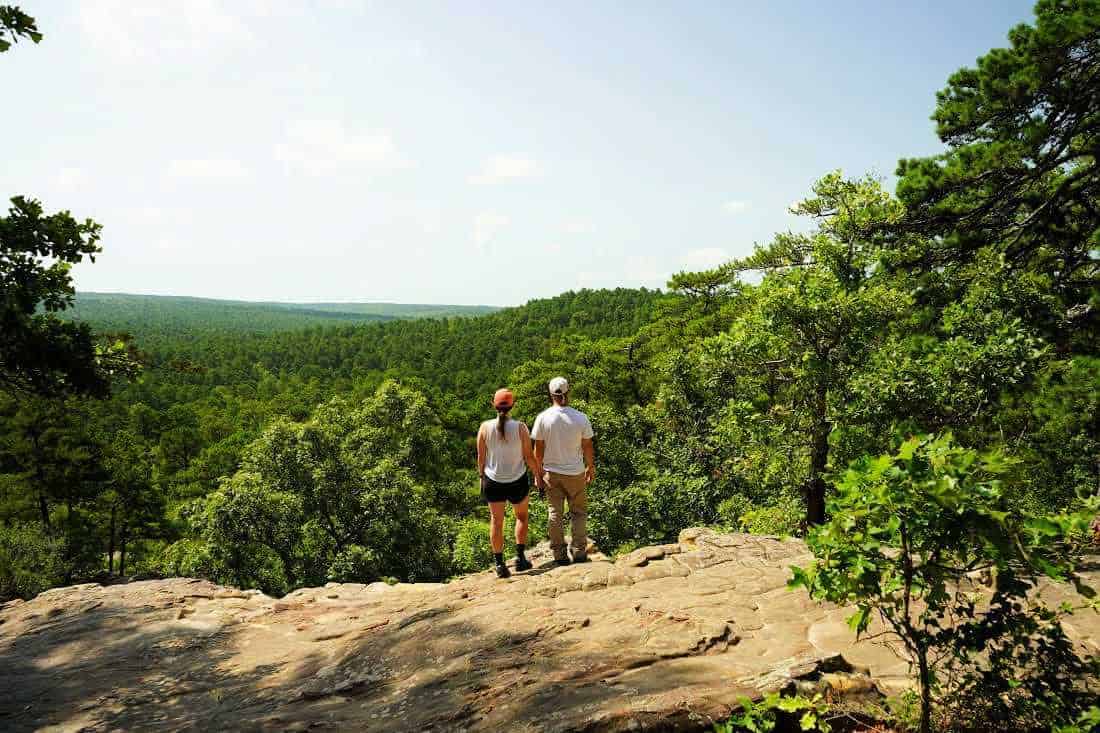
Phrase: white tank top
[504,458]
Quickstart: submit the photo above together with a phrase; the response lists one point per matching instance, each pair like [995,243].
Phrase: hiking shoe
[562,561]
[522,564]
[580,557]
[503,572]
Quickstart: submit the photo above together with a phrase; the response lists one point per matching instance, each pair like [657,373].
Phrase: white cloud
[208,169]
[590,279]
[68,179]
[487,225]
[645,270]
[577,226]
[325,146]
[139,30]
[502,168]
[705,259]
[638,271]
[736,206]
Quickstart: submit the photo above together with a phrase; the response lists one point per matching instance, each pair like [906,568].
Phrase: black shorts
[513,491]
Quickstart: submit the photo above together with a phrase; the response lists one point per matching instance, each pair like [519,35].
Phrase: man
[563,447]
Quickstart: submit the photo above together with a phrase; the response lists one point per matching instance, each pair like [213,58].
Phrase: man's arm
[540,453]
[589,460]
[482,449]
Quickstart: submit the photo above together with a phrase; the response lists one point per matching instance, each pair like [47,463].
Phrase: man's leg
[578,511]
[521,534]
[555,499]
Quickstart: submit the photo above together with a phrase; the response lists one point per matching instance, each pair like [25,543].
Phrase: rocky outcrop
[665,638]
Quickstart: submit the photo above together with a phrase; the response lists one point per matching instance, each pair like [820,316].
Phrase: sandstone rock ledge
[666,638]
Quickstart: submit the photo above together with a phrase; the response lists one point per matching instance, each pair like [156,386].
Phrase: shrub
[30,561]
[352,564]
[783,518]
[731,510]
[907,530]
[471,549]
[762,716]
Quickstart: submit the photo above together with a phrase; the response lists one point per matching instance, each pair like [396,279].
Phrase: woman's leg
[496,526]
[521,521]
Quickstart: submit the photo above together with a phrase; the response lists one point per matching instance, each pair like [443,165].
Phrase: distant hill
[166,314]
[393,310]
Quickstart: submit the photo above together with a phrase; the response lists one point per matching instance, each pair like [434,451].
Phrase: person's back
[564,429]
[504,461]
[503,456]
[563,447]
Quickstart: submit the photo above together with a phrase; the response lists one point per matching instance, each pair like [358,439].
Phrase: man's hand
[590,474]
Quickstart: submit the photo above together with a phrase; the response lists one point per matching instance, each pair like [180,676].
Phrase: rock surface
[665,638]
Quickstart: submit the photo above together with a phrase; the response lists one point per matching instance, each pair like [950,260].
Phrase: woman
[503,456]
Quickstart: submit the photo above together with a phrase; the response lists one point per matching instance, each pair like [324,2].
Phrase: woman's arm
[529,456]
[482,449]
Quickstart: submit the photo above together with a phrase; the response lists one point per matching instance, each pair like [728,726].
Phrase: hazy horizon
[82,291]
[426,153]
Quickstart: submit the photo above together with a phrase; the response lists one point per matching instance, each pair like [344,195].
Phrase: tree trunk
[632,371]
[44,513]
[819,458]
[40,486]
[111,543]
[122,550]
[925,691]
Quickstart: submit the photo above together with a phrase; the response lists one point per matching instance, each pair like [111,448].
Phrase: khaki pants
[559,489]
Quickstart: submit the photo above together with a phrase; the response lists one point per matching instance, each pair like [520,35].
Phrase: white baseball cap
[558,385]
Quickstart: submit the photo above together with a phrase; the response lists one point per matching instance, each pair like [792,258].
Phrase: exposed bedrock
[665,638]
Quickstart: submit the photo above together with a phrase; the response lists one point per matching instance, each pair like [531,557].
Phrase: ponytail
[502,420]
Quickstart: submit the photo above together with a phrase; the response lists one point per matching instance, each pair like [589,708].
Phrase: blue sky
[459,152]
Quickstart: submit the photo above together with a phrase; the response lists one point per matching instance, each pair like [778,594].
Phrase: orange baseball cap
[503,398]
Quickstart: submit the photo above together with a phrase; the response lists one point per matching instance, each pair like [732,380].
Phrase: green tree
[40,352]
[134,504]
[15,24]
[1021,174]
[907,531]
[802,335]
[1008,253]
[336,498]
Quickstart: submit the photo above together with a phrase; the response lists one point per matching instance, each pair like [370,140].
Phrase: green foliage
[353,563]
[30,561]
[39,352]
[114,480]
[1086,722]
[162,315]
[763,715]
[783,518]
[336,498]
[471,550]
[907,531]
[1020,175]
[15,24]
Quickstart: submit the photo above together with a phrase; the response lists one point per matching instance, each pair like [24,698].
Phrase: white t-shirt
[504,457]
[562,428]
